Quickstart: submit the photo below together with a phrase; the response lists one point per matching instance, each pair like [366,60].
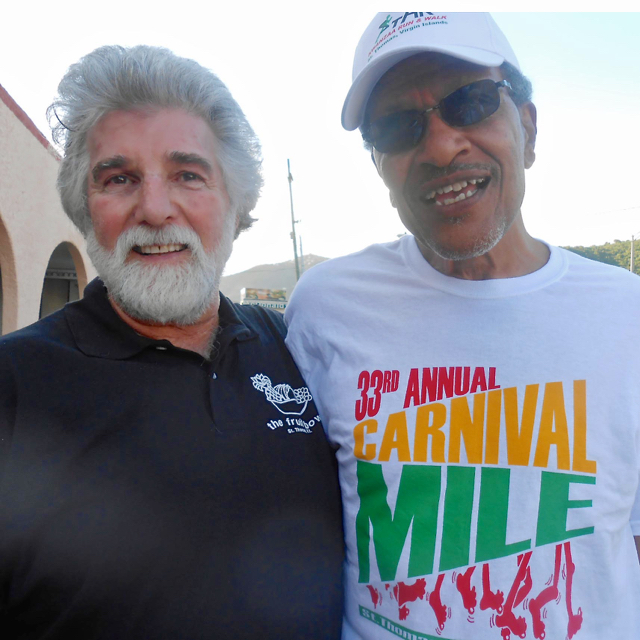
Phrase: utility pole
[301,257]
[293,222]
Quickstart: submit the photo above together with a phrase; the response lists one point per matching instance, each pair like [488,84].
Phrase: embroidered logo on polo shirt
[286,399]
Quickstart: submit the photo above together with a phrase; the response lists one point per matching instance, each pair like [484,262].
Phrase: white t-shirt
[489,443]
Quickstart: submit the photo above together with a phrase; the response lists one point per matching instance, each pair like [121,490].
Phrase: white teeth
[456,186]
[459,197]
[163,248]
[456,199]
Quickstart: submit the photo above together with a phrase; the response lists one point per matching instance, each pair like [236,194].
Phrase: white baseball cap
[392,37]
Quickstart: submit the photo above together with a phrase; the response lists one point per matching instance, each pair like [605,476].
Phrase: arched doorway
[8,284]
[60,281]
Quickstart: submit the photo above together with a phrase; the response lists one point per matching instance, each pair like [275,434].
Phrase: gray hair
[116,78]
[521,88]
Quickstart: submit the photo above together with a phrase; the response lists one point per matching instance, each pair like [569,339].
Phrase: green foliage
[617,253]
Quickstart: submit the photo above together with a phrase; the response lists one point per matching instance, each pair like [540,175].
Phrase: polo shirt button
[214,375]
[161,348]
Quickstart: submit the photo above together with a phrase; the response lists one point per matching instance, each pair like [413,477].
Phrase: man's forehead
[146,117]
[159,130]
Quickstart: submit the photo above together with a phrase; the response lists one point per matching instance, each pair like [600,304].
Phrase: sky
[289,67]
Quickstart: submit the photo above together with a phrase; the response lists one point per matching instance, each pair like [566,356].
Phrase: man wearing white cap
[478,382]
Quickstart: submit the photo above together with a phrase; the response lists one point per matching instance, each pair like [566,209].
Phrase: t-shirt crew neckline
[551,272]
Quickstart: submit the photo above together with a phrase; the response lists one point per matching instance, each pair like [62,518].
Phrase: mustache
[144,236]
[172,234]
[428,172]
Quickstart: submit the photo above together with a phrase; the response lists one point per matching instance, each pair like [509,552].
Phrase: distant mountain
[266,276]
[283,274]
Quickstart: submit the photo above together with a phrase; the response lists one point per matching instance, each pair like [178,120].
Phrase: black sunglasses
[467,105]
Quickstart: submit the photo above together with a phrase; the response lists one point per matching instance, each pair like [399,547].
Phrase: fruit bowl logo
[286,399]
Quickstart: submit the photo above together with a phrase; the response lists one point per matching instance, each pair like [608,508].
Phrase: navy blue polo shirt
[147,493]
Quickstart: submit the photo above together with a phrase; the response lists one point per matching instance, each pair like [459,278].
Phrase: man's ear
[529,117]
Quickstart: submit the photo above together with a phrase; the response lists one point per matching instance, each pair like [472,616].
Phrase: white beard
[163,294]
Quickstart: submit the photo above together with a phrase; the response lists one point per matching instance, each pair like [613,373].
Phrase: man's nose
[155,205]
[442,143]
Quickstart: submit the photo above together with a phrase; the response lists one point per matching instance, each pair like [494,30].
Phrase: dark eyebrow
[116,162]
[181,157]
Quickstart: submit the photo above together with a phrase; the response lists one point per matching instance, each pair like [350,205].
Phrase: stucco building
[43,262]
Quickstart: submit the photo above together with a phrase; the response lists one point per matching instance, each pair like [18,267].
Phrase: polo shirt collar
[100,332]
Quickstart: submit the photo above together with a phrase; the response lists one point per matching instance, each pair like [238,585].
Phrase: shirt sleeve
[300,342]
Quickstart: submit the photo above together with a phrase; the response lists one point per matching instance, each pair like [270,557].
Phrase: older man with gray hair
[163,473]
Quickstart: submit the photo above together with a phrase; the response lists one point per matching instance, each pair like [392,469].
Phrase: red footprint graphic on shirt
[436,603]
[404,593]
[468,593]
[521,586]
[553,593]
[490,599]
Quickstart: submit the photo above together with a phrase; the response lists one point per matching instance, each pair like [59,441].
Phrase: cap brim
[358,96]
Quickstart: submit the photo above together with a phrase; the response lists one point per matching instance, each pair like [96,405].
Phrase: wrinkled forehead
[435,72]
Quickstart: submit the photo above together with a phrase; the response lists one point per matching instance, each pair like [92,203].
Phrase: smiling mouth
[456,191]
[152,249]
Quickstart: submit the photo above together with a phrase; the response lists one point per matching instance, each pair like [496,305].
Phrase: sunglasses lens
[467,105]
[471,104]
[396,132]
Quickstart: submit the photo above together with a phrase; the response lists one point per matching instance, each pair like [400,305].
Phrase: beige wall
[32,222]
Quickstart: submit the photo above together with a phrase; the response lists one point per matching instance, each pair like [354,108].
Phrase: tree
[617,253]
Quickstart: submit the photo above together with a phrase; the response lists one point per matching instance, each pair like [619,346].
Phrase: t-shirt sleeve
[297,318]
[301,342]
[297,339]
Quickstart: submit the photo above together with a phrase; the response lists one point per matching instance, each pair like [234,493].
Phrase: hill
[617,253]
[283,275]
[266,276]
